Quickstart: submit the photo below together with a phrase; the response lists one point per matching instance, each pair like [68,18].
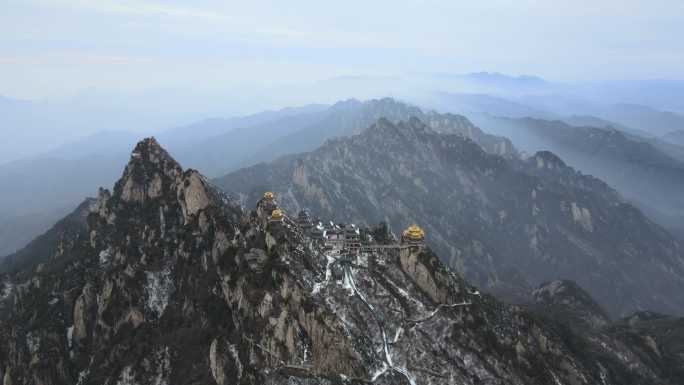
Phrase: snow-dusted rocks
[158,289]
[194,290]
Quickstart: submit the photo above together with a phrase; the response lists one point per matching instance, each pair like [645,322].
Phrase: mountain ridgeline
[214,146]
[507,224]
[165,280]
[350,117]
[648,172]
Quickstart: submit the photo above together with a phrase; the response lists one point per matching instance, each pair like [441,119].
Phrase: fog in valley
[359,192]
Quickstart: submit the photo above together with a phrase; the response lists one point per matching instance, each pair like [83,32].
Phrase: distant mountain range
[643,170]
[35,189]
[645,118]
[634,119]
[33,128]
[217,146]
[657,95]
[507,224]
[196,133]
[216,154]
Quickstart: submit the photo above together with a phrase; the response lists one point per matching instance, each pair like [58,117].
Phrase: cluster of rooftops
[331,233]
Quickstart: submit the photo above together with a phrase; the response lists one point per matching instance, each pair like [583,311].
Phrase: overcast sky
[58,47]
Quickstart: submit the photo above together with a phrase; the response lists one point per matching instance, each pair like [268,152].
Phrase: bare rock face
[83,319]
[168,281]
[143,176]
[195,193]
[421,274]
[224,361]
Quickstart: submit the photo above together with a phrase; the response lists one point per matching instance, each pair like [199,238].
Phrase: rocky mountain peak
[385,128]
[548,160]
[149,153]
[346,104]
[149,170]
[152,175]
[392,105]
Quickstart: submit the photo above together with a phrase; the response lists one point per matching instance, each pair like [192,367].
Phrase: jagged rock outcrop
[507,224]
[170,282]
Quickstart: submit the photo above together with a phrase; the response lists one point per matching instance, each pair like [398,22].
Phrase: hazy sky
[58,47]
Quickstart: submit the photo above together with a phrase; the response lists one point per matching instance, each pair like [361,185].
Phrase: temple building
[413,235]
[276,215]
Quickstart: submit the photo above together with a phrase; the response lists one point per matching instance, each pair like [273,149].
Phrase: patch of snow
[163,358]
[6,291]
[348,283]
[603,374]
[83,376]
[127,377]
[158,290]
[385,345]
[624,358]
[440,307]
[362,259]
[70,337]
[162,222]
[555,378]
[388,355]
[105,257]
[582,216]
[405,294]
[232,349]
[32,342]
[397,335]
[328,274]
[379,372]
[406,374]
